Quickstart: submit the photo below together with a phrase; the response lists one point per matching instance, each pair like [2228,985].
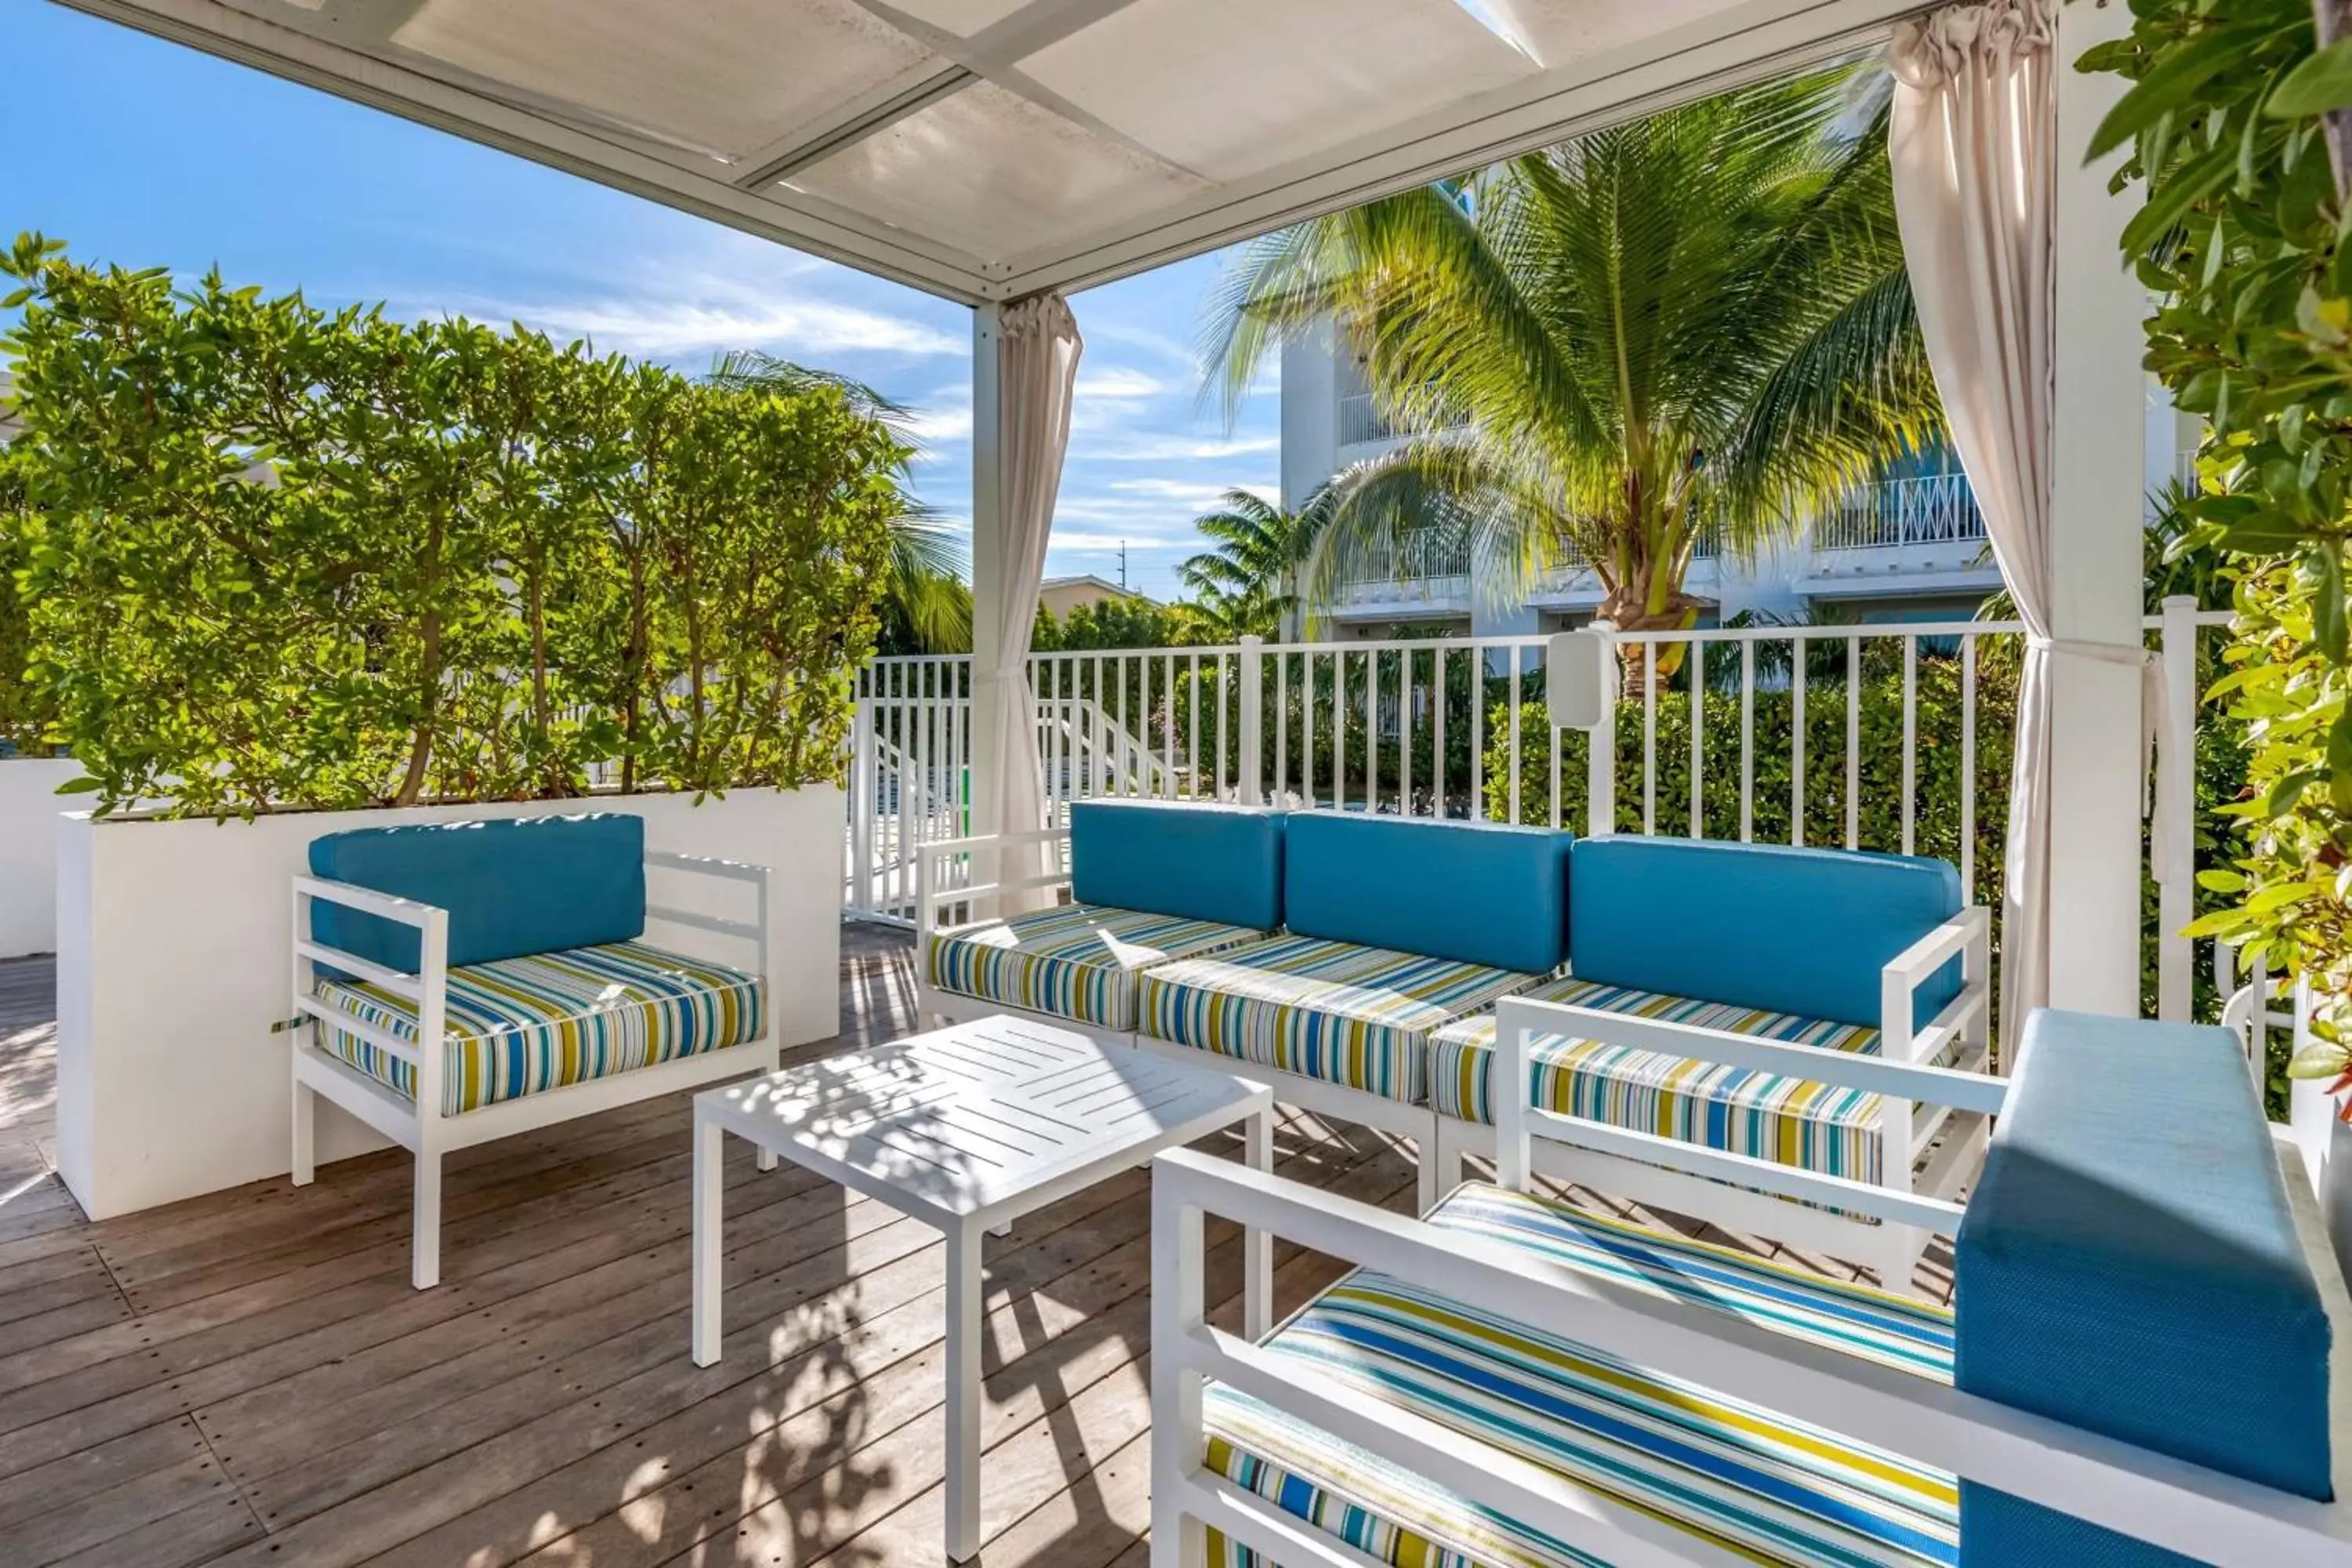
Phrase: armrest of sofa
[1519,1020]
[1967,936]
[753,931]
[429,987]
[935,892]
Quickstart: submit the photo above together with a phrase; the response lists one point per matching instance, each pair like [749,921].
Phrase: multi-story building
[1911,547]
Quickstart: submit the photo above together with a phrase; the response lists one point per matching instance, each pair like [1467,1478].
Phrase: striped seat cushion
[1766,1115]
[1358,1016]
[1077,961]
[520,1026]
[1741,1477]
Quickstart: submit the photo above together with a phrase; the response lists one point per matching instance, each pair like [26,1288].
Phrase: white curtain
[1973,144]
[1038,373]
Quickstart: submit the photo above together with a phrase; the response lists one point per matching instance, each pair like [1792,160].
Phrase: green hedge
[276,557]
[25,713]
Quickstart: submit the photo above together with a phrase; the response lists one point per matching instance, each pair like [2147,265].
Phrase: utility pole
[1122,565]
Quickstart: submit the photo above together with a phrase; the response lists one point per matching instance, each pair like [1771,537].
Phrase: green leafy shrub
[279,557]
[2240,241]
[25,712]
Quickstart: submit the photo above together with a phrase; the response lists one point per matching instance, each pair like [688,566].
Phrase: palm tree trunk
[1628,607]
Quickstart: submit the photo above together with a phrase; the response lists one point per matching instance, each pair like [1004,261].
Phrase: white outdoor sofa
[517,943]
[1355,963]
[2147,1351]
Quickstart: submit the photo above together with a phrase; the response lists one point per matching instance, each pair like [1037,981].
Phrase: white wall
[29,807]
[173,965]
[1310,417]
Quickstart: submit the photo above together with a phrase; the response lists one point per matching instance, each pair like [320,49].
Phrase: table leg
[1257,1245]
[964,1391]
[708,1187]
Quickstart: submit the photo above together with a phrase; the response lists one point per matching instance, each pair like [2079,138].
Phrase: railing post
[865,898]
[1253,714]
[2175,776]
[1601,756]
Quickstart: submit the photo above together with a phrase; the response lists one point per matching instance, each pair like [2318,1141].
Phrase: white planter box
[173,966]
[29,808]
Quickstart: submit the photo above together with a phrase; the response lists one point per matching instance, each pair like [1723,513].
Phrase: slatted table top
[993,1115]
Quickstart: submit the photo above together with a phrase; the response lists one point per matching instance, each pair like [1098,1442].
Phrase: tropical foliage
[1124,623]
[25,711]
[1248,584]
[2237,123]
[277,556]
[926,604]
[1695,321]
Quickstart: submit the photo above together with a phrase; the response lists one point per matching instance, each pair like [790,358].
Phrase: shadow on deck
[248,1378]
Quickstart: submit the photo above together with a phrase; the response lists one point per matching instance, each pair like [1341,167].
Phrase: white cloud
[943,417]
[675,306]
[1192,493]
[1100,331]
[1119,381]
[1072,539]
[665,329]
[1177,447]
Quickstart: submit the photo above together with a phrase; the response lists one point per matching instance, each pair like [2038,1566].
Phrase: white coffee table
[967,1129]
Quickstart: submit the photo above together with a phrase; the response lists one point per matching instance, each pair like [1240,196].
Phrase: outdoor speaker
[1580,680]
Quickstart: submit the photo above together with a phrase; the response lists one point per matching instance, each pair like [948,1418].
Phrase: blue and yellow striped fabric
[1077,961]
[1741,1477]
[1358,1016]
[520,1026]
[1765,1115]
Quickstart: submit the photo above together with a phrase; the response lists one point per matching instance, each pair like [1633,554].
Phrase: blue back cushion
[511,886]
[1166,857]
[2130,1265]
[1473,892]
[1756,925]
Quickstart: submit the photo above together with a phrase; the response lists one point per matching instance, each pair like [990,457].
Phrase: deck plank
[247,1378]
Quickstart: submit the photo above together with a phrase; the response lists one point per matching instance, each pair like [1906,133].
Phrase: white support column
[1251,667]
[987,565]
[2095,549]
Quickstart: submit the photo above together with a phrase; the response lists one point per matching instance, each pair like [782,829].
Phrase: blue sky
[154,155]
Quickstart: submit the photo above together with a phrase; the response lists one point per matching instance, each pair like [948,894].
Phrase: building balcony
[1901,538]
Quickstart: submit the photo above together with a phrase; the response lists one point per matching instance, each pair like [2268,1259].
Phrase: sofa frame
[1612,1161]
[1911,1160]
[419,1125]
[2201,1513]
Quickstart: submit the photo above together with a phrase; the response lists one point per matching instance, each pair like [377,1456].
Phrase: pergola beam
[853,124]
[991,55]
[1730,49]
[1741,43]
[818,227]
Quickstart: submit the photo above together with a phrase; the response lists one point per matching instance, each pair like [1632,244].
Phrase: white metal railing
[1929,509]
[1454,726]
[1925,509]
[1360,421]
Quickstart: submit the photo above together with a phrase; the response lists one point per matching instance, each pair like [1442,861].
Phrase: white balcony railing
[1360,421]
[1928,510]
[1931,508]
[1455,727]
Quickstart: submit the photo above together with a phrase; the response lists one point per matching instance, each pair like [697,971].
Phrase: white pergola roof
[988,149]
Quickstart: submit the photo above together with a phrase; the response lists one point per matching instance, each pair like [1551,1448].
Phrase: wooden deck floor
[248,1378]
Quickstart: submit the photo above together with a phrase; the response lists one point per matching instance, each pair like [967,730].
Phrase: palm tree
[926,604]
[1249,582]
[1696,321]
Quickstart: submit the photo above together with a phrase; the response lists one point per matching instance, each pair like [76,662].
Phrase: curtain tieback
[2162,808]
